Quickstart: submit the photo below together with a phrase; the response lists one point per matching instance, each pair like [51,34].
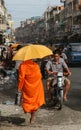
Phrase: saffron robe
[31,86]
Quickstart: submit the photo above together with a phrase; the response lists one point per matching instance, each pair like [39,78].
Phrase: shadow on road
[13,120]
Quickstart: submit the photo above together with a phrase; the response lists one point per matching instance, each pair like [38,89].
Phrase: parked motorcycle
[57,90]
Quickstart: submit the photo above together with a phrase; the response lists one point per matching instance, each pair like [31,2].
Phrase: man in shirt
[53,67]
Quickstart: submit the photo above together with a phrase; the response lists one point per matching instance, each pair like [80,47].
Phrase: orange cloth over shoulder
[30,83]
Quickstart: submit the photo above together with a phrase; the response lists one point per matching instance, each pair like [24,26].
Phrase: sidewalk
[12,117]
[32,127]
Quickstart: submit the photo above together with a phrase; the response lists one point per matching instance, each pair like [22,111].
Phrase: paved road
[69,118]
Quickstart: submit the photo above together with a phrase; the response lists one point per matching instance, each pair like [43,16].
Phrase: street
[69,118]
[39,31]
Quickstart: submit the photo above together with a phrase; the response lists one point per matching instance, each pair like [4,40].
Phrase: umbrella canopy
[32,52]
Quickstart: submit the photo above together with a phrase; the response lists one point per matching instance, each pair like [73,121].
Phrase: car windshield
[76,48]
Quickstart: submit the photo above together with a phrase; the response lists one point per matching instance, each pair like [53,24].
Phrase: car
[74,53]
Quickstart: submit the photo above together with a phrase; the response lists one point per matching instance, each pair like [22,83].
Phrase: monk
[31,86]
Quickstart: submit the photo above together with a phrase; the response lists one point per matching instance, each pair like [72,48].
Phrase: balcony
[1,10]
[3,27]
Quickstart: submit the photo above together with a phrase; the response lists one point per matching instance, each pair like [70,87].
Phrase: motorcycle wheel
[60,100]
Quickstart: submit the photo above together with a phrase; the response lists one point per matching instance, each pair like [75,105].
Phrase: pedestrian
[9,56]
[31,86]
[17,62]
[9,53]
[2,53]
[63,54]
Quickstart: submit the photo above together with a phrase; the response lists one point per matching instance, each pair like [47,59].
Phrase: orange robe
[30,83]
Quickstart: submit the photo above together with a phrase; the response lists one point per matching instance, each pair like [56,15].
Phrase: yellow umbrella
[32,52]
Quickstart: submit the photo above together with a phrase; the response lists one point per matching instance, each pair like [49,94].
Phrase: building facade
[73,18]
[5,18]
[31,30]
[51,16]
[59,24]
